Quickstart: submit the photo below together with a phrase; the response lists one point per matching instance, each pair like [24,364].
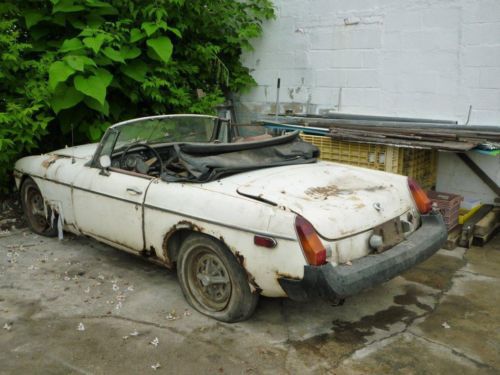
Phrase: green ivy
[89,63]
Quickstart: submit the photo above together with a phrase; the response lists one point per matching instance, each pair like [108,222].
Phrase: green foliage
[89,63]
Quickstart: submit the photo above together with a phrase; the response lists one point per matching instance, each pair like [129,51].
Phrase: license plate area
[391,232]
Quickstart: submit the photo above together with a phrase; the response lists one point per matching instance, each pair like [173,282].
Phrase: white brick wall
[425,58]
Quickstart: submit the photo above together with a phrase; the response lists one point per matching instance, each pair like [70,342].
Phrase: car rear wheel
[34,209]
[212,280]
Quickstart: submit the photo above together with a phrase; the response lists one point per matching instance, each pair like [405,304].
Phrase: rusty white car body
[298,230]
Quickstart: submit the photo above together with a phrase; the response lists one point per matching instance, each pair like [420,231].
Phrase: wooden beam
[480,173]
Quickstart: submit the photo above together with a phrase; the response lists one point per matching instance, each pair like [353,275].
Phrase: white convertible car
[237,216]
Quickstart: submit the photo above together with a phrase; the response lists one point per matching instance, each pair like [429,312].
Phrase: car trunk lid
[338,200]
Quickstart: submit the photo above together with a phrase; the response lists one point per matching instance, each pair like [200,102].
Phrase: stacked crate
[419,164]
[449,206]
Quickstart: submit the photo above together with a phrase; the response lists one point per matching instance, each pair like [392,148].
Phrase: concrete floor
[441,317]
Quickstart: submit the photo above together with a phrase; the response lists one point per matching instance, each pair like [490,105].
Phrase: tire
[212,280]
[32,202]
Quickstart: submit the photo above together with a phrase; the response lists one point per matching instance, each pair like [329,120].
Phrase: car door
[108,206]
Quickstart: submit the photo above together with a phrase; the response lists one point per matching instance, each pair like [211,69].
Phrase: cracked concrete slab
[48,287]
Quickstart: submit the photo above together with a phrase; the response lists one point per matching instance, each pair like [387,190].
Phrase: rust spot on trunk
[326,191]
[323,192]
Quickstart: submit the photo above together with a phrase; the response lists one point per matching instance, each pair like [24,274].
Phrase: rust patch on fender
[251,279]
[183,224]
[51,160]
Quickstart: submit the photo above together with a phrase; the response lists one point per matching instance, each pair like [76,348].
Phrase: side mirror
[105,162]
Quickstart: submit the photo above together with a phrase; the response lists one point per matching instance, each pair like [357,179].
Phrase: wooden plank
[467,234]
[448,146]
[453,238]
[487,223]
[483,240]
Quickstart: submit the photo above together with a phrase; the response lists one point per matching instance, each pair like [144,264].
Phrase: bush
[90,63]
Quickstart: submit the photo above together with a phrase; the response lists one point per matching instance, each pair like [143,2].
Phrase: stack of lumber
[486,228]
[413,134]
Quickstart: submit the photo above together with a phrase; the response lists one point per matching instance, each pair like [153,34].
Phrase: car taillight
[313,249]
[423,202]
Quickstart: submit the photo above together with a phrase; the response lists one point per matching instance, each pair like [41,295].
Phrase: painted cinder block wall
[422,58]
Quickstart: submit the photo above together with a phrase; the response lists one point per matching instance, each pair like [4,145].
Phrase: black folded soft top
[202,162]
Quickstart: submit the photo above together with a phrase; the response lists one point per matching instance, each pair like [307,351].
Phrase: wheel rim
[35,209]
[208,279]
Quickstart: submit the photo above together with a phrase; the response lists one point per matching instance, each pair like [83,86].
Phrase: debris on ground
[187,312]
[446,325]
[156,366]
[134,333]
[172,315]
[116,288]
[81,327]
[11,214]
[7,326]
[4,233]
[155,342]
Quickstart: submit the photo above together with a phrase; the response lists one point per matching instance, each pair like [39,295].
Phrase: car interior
[152,151]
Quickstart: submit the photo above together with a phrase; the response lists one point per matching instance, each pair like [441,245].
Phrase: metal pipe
[324,122]
[277,99]
[351,116]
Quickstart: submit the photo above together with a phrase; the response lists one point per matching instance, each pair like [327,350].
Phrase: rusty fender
[183,224]
[256,289]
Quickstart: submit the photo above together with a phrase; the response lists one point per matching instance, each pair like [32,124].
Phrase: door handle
[134,191]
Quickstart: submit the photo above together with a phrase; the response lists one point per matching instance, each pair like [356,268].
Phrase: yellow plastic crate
[421,165]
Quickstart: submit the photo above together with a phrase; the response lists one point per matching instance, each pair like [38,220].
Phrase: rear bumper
[341,281]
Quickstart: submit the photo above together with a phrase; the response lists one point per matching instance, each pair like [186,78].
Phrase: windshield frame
[114,129]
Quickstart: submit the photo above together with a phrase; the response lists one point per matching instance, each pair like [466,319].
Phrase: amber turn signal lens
[422,201]
[313,249]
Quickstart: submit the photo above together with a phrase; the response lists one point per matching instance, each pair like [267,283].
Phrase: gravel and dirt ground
[77,306]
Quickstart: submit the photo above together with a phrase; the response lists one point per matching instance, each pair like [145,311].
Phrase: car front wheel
[37,215]
[212,280]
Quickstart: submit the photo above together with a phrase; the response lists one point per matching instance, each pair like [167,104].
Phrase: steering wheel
[138,144]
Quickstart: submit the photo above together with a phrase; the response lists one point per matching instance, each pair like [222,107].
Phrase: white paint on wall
[456,177]
[424,58]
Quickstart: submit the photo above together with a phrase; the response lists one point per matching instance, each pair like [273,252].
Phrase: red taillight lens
[423,202]
[313,249]
[264,241]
